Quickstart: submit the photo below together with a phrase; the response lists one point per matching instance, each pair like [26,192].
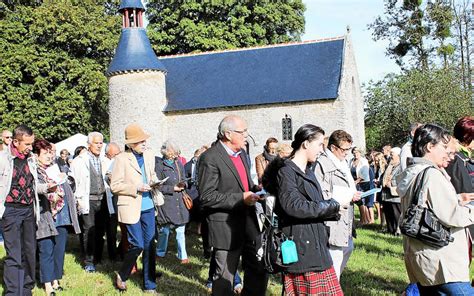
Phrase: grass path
[375,268]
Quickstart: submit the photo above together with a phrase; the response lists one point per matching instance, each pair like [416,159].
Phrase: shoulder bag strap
[418,192]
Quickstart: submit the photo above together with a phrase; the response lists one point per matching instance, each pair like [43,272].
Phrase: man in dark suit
[227,195]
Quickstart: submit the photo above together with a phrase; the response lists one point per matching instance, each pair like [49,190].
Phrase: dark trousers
[111,234]
[51,255]
[19,233]
[141,237]
[93,230]
[255,276]
[392,212]
[205,237]
[212,270]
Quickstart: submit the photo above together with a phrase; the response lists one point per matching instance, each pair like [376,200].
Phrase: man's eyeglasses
[244,132]
[343,149]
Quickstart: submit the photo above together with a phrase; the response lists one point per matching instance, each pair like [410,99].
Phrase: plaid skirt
[312,283]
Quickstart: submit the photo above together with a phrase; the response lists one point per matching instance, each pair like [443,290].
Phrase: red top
[239,165]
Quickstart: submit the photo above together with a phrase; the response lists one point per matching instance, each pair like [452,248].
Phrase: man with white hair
[227,195]
[91,200]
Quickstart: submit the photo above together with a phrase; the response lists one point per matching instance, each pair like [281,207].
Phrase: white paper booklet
[54,173]
[158,182]
[343,195]
[370,192]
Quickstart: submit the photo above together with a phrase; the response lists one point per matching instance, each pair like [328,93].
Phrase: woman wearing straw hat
[133,171]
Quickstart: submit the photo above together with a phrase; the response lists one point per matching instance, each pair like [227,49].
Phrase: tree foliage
[52,59]
[427,96]
[416,31]
[190,26]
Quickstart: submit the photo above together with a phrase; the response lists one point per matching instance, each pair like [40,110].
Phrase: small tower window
[287,128]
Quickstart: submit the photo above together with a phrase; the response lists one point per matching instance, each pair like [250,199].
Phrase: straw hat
[134,134]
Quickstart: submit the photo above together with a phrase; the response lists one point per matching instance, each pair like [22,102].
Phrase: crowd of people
[308,189]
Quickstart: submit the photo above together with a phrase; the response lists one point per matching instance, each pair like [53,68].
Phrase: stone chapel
[276,88]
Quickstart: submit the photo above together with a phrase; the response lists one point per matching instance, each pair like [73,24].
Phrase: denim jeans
[51,255]
[141,237]
[451,289]
[163,234]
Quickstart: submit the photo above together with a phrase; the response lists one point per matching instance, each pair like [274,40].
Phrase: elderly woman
[302,211]
[333,174]
[360,171]
[173,214]
[444,270]
[391,200]
[58,213]
[268,154]
[132,173]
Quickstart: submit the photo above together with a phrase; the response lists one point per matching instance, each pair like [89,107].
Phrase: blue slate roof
[267,75]
[134,53]
[131,4]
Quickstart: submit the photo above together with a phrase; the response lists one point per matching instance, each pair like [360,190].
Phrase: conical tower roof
[134,51]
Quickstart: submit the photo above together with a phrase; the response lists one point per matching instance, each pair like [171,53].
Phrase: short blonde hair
[284,147]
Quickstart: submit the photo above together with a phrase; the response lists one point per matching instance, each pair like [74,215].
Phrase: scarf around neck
[268,156]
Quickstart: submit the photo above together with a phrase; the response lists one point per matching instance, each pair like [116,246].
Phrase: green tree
[52,60]
[427,96]
[416,32]
[191,26]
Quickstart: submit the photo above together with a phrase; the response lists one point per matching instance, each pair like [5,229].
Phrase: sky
[330,18]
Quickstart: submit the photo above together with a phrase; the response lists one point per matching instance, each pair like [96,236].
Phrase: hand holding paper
[343,195]
[370,192]
[156,183]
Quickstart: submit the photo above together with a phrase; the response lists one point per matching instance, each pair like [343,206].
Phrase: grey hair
[168,145]
[227,124]
[111,144]
[92,135]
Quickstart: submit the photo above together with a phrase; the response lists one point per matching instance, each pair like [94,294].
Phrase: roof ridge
[254,47]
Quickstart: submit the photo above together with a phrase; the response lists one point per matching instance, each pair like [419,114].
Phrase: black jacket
[458,170]
[231,222]
[191,183]
[302,211]
[173,211]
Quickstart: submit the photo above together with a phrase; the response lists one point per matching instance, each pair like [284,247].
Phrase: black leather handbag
[420,222]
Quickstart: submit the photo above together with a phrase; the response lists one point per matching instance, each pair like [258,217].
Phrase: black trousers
[93,230]
[111,234]
[392,212]
[19,234]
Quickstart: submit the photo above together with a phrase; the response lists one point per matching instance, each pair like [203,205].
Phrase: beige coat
[329,175]
[434,266]
[125,179]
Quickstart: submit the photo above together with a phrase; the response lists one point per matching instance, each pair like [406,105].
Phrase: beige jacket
[329,176]
[434,266]
[125,179]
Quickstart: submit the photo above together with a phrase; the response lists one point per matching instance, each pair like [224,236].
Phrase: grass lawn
[375,268]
